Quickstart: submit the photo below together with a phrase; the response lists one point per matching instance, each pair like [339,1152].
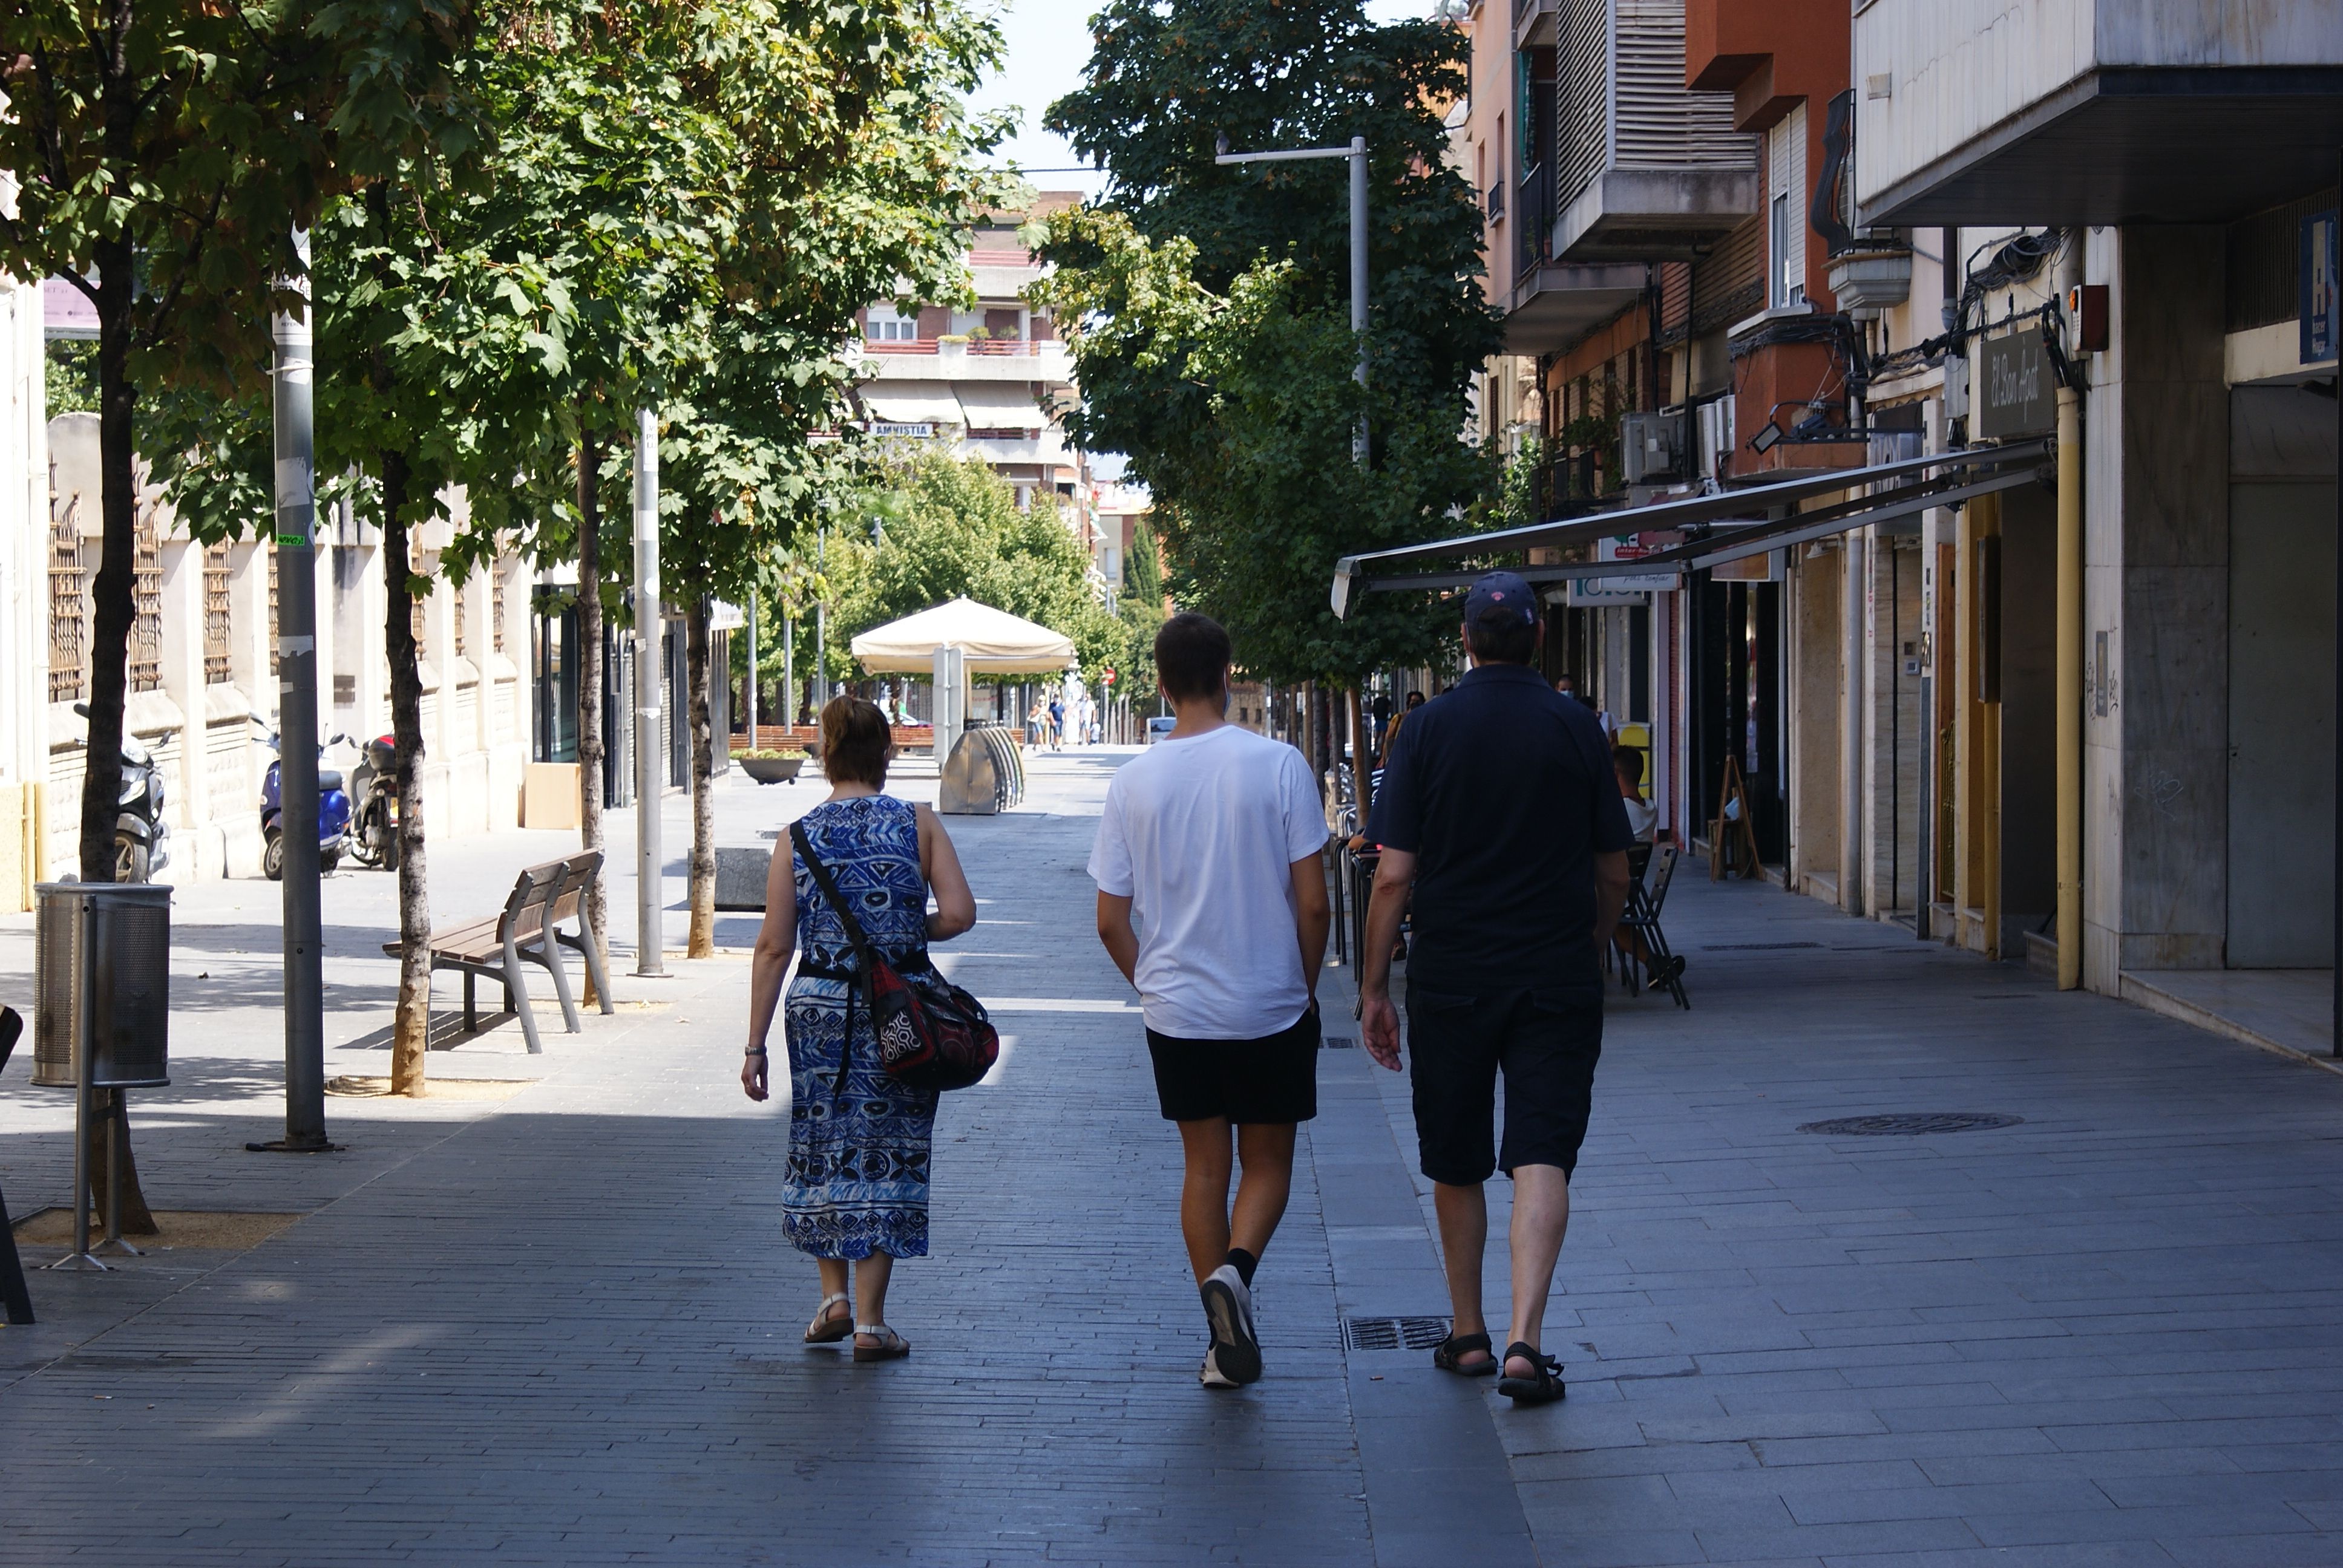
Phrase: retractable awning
[1001,406]
[1724,528]
[911,402]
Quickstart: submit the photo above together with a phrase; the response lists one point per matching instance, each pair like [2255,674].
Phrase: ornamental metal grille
[463,628]
[217,615]
[496,608]
[146,605]
[68,605]
[415,624]
[1910,1124]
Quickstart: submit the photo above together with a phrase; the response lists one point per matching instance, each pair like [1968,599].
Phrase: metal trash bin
[102,992]
[117,935]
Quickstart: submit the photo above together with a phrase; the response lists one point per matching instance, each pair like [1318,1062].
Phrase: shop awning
[910,402]
[1001,406]
[991,642]
[1722,529]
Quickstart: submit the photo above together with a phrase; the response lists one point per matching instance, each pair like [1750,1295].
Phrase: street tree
[1206,308]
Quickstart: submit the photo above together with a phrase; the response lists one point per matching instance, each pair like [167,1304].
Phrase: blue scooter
[333,814]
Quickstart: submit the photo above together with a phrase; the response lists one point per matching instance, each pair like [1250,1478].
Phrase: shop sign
[2320,301]
[2016,391]
[921,431]
[1595,592]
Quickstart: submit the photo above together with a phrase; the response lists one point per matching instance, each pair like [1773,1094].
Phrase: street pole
[788,667]
[1359,285]
[752,669]
[293,376]
[820,681]
[1357,153]
[649,670]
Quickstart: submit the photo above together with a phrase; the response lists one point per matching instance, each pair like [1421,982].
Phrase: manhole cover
[1394,1334]
[1338,1042]
[1909,1124]
[1752,947]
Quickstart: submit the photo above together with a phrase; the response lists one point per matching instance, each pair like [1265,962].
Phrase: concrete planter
[772,770]
[1869,280]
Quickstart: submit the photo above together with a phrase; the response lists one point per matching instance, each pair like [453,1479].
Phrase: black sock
[1245,1263]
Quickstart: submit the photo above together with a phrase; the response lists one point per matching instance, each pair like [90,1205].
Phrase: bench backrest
[578,873]
[533,889]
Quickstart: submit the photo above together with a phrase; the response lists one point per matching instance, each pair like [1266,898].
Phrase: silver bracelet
[752,1050]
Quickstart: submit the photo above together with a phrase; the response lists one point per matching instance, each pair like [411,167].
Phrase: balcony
[1645,169]
[960,359]
[2074,112]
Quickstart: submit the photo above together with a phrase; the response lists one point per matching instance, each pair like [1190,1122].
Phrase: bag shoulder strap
[838,904]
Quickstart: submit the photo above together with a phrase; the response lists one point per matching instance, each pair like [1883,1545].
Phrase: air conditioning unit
[1656,447]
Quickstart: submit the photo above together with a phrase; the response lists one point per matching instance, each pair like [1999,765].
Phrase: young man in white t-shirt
[1212,839]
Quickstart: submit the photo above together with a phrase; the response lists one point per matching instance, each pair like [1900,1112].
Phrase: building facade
[2069,265]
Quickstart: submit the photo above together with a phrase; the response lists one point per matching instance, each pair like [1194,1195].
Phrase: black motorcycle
[142,839]
[374,787]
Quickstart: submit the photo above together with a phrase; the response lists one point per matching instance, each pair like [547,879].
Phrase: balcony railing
[996,347]
[1534,224]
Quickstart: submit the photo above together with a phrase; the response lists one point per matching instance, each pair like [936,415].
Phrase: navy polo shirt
[1504,791]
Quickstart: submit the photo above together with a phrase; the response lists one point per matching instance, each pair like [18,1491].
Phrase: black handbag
[931,1034]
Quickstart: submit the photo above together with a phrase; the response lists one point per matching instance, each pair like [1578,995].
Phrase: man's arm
[1123,943]
[1394,875]
[1313,918]
[1610,894]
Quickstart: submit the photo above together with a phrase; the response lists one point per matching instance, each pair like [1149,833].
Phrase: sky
[1049,43]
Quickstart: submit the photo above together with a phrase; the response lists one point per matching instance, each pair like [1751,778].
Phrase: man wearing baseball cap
[1499,804]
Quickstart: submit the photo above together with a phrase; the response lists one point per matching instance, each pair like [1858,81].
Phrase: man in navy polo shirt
[1499,805]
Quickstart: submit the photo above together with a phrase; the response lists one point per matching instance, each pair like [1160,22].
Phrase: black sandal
[1542,1389]
[1449,1355]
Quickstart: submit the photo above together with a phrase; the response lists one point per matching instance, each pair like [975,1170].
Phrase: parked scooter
[142,839]
[373,834]
[333,814]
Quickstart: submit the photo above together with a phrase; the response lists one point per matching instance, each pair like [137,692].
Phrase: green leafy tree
[1210,308]
[956,530]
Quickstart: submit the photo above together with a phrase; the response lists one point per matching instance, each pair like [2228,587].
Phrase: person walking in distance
[860,1142]
[1212,839]
[1501,806]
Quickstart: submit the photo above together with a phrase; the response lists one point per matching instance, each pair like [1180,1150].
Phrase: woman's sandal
[1542,1389]
[1449,1355]
[827,1328]
[891,1346]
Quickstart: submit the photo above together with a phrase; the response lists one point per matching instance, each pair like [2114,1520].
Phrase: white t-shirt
[1200,835]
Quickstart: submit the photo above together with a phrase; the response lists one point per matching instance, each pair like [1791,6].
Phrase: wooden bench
[527,931]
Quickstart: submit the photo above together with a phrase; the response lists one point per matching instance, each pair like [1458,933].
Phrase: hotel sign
[2016,390]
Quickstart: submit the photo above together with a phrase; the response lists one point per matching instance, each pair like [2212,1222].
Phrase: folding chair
[1647,892]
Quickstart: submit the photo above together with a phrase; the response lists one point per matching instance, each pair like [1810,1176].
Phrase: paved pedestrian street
[550,1321]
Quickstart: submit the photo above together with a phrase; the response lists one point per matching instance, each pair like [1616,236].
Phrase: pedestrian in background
[855,1195]
[1212,839]
[1501,807]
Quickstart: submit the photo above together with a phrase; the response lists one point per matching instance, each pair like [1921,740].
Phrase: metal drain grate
[1338,1042]
[1392,1334]
[1909,1124]
[1752,947]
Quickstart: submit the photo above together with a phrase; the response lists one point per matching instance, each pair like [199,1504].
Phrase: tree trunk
[589,691]
[411,1026]
[109,647]
[702,941]
[116,610]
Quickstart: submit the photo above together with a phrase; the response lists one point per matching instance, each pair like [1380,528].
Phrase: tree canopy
[1208,309]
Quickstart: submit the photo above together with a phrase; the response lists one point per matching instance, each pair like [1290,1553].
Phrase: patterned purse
[931,1034]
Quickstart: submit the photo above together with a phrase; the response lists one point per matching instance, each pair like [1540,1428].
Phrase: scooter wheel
[329,859]
[272,858]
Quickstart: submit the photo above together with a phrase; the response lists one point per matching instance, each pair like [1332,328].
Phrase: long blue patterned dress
[859,1149]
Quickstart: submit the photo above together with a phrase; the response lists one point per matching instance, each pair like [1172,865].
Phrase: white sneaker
[1211,1375]
[1228,1306]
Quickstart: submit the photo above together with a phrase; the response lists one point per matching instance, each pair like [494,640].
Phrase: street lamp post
[820,681]
[650,671]
[1357,153]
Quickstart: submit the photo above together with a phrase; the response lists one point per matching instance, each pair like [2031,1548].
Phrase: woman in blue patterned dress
[857,1191]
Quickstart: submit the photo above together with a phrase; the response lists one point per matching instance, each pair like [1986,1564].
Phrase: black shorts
[1274,1079]
[1547,1040]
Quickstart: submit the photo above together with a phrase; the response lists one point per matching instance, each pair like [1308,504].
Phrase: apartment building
[1939,405]
[988,380]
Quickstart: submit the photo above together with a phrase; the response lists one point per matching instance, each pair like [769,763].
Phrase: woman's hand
[752,1075]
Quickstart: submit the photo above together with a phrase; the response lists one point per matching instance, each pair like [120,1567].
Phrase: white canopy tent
[991,642]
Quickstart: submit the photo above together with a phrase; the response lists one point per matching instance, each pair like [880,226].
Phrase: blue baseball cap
[1497,593]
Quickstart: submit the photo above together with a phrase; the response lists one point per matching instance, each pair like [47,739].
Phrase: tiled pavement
[559,1327]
